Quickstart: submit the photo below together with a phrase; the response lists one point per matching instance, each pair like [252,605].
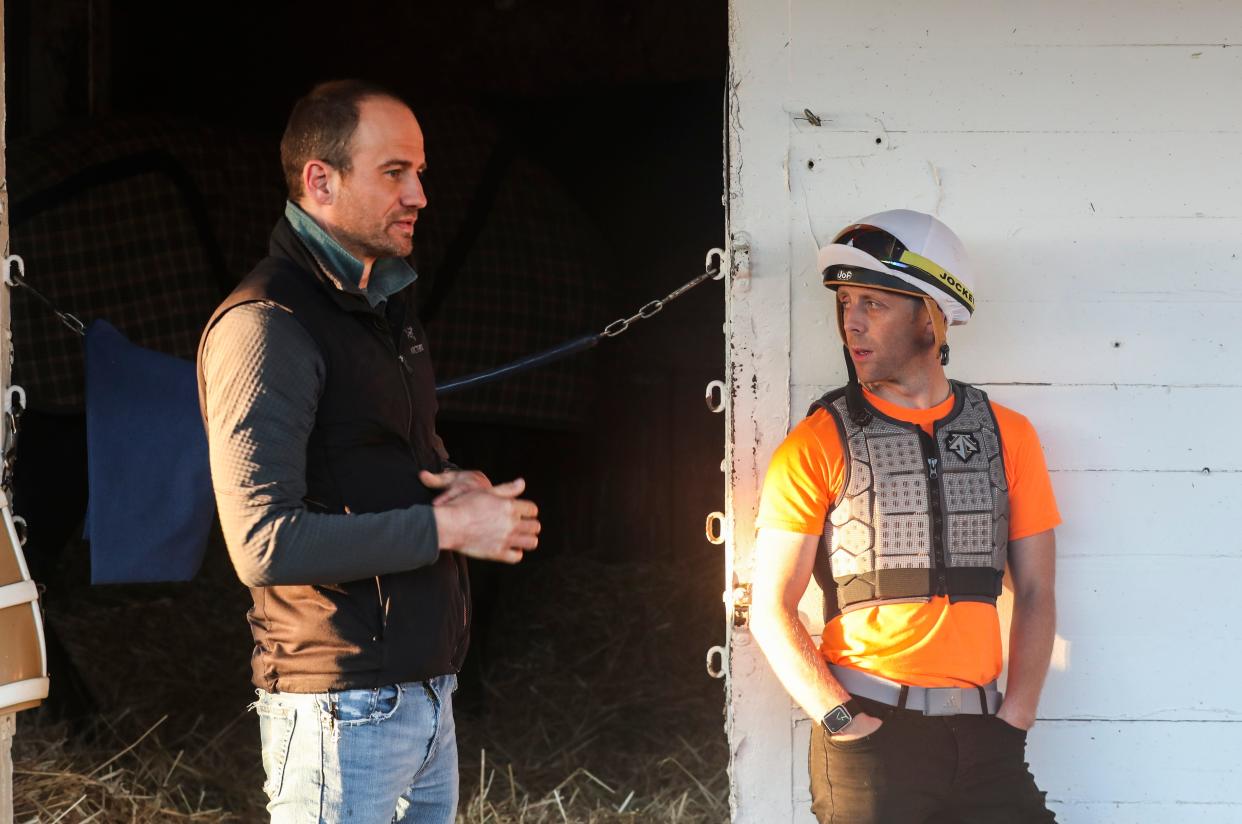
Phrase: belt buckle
[943,701]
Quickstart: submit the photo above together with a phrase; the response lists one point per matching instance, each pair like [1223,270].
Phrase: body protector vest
[918,515]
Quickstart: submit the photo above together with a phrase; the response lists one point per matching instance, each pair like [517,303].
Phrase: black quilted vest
[374,430]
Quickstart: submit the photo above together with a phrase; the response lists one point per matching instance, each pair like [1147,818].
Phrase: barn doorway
[575,167]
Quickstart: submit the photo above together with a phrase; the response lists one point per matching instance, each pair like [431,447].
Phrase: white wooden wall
[1090,156]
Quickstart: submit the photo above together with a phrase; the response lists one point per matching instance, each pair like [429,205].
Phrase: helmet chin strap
[859,414]
[938,326]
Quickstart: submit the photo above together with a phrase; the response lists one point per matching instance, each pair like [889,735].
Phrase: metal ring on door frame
[8,269]
[716,652]
[717,536]
[719,255]
[718,387]
[8,398]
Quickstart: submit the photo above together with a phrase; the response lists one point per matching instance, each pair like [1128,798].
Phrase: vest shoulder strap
[826,400]
[825,403]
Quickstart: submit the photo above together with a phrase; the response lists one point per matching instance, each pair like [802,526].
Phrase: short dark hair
[321,126]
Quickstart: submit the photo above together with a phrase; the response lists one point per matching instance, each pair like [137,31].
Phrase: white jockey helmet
[908,252]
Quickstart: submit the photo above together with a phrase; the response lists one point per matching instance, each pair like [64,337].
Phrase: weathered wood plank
[990,86]
[964,176]
[757,407]
[950,26]
[1132,428]
[1164,762]
[1127,515]
[1135,641]
[8,727]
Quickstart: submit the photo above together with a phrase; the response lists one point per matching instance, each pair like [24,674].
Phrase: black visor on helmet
[843,274]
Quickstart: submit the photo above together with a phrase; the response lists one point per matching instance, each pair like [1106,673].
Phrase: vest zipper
[402,369]
[385,334]
[409,401]
[383,613]
[931,457]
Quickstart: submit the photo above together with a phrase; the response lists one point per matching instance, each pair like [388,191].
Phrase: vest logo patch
[415,346]
[962,444]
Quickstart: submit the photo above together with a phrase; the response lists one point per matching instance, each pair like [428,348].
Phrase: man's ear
[319,182]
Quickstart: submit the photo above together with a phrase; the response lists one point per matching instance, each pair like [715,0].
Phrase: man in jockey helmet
[906,494]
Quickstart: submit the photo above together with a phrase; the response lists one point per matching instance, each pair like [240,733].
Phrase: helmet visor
[845,274]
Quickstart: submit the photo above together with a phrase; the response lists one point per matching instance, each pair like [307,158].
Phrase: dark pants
[916,769]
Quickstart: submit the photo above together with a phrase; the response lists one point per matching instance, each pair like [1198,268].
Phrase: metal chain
[712,272]
[19,279]
[67,318]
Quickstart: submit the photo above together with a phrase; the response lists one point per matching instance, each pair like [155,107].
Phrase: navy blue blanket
[151,506]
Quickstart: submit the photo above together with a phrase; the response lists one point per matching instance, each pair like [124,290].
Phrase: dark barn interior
[574,174]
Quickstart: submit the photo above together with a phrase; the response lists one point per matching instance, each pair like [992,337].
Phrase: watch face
[837,719]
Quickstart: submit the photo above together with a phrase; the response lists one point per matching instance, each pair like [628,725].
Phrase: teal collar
[388,275]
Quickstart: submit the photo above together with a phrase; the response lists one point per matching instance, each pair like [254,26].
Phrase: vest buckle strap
[982,700]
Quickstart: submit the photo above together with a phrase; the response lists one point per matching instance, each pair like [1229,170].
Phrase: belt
[984,700]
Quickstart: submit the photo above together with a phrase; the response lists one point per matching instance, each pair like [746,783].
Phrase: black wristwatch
[840,716]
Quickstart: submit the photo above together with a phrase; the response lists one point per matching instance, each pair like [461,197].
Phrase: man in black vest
[337,502]
[905,495]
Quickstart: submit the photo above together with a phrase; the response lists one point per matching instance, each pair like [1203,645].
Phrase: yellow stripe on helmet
[943,275]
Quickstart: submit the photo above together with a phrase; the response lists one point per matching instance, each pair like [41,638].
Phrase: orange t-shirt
[932,644]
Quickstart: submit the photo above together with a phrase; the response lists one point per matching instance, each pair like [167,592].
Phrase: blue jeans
[371,756]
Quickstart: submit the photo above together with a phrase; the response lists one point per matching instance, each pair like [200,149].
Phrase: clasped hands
[480,520]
